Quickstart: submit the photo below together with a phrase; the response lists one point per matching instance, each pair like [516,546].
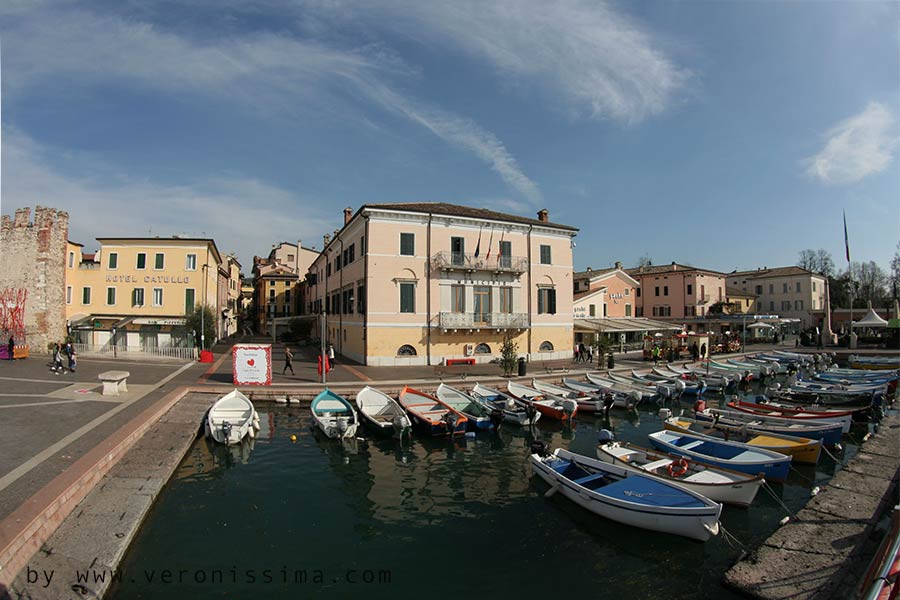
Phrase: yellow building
[135,293]
[421,283]
[277,281]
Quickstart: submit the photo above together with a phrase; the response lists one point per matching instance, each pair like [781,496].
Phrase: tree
[895,273]
[645,261]
[208,319]
[508,355]
[603,347]
[870,283]
[818,261]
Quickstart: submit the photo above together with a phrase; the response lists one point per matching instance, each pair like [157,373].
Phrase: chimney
[543,215]
[674,266]
[348,214]
[325,239]
[589,269]
[297,257]
[618,265]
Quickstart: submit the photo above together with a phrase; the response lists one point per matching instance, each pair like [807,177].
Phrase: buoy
[293,438]
[815,491]
[784,521]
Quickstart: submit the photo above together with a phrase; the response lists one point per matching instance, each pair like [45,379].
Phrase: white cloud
[243,215]
[857,147]
[582,54]
[271,72]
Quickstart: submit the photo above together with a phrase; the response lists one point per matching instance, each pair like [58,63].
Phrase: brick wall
[33,257]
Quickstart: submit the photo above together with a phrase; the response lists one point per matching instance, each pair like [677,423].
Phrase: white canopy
[870,320]
[760,325]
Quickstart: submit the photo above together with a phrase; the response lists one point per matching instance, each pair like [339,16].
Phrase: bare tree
[645,261]
[895,273]
[870,281]
[818,261]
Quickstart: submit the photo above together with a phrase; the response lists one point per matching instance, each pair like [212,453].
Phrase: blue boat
[718,453]
[334,415]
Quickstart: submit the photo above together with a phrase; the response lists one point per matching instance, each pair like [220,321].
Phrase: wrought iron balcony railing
[469,262]
[469,320]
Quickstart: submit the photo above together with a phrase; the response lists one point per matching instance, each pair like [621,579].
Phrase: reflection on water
[370,502]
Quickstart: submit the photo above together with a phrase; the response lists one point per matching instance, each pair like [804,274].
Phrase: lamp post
[203,310]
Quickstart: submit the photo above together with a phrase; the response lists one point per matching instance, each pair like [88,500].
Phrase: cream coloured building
[420,283]
[142,289]
[789,292]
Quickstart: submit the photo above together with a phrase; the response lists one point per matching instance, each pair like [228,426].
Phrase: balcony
[477,321]
[452,261]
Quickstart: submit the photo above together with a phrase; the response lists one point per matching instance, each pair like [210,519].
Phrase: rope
[833,457]
[771,492]
[729,538]
[801,475]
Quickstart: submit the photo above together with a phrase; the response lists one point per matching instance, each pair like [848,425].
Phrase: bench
[460,361]
[114,382]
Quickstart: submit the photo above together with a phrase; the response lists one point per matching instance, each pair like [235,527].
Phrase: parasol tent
[870,320]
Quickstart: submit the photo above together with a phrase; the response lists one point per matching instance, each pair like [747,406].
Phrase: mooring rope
[800,475]
[772,493]
[729,538]
[833,457]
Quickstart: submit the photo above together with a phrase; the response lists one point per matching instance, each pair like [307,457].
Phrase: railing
[176,352]
[470,320]
[89,266]
[467,261]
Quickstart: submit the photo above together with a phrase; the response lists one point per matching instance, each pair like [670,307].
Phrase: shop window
[406,350]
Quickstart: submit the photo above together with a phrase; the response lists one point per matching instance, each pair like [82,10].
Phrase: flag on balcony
[478,245]
[490,243]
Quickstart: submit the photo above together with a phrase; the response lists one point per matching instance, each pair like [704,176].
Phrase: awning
[760,325]
[623,325]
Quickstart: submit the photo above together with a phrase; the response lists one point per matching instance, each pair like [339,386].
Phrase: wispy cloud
[274,73]
[857,147]
[584,56]
[107,202]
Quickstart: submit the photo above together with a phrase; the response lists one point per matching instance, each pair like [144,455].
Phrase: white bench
[114,382]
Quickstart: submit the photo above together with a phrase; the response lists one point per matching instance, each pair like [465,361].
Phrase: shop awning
[623,325]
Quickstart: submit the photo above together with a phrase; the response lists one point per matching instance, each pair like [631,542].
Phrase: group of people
[583,354]
[60,350]
[289,359]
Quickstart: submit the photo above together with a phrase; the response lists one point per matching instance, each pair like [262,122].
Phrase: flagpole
[851,343]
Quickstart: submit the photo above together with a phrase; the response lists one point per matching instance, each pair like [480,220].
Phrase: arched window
[482,349]
[406,350]
[546,346]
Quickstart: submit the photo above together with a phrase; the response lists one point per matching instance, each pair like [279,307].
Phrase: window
[290,258]
[85,295]
[482,349]
[637,292]
[458,298]
[157,297]
[141,260]
[627,310]
[690,289]
[771,288]
[68,294]
[657,290]
[361,299]
[772,305]
[457,250]
[137,297]
[328,270]
[407,297]
[362,245]
[505,254]
[337,263]
[798,305]
[406,350]
[759,290]
[407,244]
[351,253]
[71,259]
[190,263]
[592,310]
[348,301]
[113,260]
[110,296]
[545,254]
[272,295]
[189,301]
[482,300]
[639,311]
[159,262]
[546,301]
[784,288]
[665,290]
[813,286]
[665,311]
[627,291]
[506,301]
[287,296]
[703,292]
[546,346]
[798,286]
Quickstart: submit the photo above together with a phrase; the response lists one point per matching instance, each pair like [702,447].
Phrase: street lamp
[202,309]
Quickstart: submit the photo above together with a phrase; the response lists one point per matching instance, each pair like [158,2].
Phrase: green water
[438,517]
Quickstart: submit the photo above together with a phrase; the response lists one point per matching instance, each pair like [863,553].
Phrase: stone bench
[114,382]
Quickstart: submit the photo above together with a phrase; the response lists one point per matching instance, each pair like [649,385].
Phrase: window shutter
[551,302]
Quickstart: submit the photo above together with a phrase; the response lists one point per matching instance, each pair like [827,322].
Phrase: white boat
[334,415]
[382,412]
[231,418]
[514,411]
[620,399]
[716,483]
[628,496]
[586,403]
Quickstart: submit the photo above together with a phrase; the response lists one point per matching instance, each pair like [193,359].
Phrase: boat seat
[692,445]
[652,466]
[583,480]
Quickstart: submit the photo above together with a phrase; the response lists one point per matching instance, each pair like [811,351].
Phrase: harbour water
[323,518]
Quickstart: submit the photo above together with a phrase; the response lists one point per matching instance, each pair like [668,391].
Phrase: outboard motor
[569,407]
[636,397]
[450,421]
[226,431]
[664,413]
[606,436]
[608,401]
[679,388]
[496,418]
[342,426]
[540,448]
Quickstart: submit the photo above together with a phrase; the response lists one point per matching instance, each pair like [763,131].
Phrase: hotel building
[421,283]
[677,291]
[135,293]
[789,292]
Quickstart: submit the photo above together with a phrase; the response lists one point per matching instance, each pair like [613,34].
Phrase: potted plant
[508,356]
[603,347]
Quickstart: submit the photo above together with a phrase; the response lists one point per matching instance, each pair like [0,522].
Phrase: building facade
[790,292]
[421,283]
[276,281]
[136,293]
[618,297]
[677,291]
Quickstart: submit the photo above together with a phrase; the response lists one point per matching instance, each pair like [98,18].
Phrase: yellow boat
[801,450]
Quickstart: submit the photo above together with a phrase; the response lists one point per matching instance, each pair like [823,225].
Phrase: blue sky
[721,134]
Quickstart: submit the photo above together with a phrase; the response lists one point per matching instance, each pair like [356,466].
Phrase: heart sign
[251,362]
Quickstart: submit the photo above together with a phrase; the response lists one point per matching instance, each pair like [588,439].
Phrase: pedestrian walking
[582,352]
[655,354]
[695,352]
[12,347]
[288,357]
[57,360]
[330,357]
[70,352]
[703,351]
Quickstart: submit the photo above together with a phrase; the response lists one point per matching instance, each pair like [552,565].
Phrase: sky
[725,135]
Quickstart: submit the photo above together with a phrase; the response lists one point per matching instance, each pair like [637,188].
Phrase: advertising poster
[251,364]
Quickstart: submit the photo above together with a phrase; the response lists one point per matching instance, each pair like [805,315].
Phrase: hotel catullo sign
[147,279]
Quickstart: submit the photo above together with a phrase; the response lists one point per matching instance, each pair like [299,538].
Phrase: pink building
[618,297]
[677,291]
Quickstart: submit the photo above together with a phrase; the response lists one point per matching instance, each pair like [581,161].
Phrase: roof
[85,257]
[670,268]
[773,272]
[733,292]
[593,275]
[159,239]
[623,325]
[587,293]
[593,272]
[444,208]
